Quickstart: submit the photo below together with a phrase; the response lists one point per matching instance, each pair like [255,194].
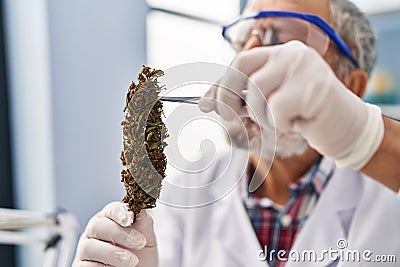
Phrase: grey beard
[265,142]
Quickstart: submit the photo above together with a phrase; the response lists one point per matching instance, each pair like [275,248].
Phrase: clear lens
[276,30]
[238,34]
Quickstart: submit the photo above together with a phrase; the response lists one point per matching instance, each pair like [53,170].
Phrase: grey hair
[355,29]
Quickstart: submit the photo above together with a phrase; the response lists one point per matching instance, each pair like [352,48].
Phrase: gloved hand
[304,96]
[111,239]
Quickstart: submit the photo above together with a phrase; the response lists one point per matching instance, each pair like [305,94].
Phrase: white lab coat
[352,207]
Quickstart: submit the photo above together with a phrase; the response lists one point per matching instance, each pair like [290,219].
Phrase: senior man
[305,203]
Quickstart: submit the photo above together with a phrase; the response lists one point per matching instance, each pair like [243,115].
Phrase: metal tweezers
[181,99]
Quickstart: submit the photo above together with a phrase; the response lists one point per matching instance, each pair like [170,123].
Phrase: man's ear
[357,81]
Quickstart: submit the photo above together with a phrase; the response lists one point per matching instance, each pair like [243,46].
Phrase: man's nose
[253,41]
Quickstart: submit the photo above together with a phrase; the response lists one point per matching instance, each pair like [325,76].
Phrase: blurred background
[65,67]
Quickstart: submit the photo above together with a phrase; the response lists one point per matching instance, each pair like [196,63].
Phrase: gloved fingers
[228,103]
[262,84]
[102,252]
[142,216]
[235,80]
[207,102]
[290,103]
[90,264]
[301,126]
[287,82]
[247,62]
[107,230]
[118,212]
[144,224]
[284,111]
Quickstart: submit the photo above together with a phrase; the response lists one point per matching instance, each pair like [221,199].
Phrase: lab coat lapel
[233,228]
[236,233]
[375,226]
[331,218]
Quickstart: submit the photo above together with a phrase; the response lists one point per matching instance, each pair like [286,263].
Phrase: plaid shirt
[277,227]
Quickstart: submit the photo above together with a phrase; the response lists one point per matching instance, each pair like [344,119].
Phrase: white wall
[70,64]
[97,48]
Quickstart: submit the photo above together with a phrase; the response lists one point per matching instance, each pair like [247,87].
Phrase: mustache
[264,142]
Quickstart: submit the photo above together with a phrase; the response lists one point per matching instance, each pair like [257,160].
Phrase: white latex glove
[304,96]
[111,239]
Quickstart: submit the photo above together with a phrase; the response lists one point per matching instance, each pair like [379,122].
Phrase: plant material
[144,133]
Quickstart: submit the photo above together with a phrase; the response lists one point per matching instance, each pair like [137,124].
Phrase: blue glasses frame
[320,23]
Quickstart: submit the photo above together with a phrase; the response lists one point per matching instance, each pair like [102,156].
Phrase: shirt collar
[313,182]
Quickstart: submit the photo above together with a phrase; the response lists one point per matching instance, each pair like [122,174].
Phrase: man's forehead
[316,7]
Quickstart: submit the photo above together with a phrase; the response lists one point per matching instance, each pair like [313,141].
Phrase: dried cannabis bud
[144,133]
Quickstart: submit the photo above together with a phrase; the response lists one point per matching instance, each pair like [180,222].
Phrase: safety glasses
[278,27]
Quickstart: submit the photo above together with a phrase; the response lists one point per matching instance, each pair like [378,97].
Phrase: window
[218,11]
[180,32]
